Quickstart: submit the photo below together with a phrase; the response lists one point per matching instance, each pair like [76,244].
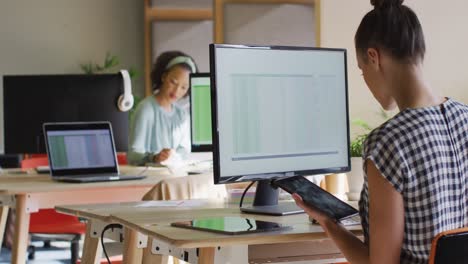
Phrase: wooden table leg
[20,240]
[92,248]
[131,252]
[206,255]
[150,258]
[3,219]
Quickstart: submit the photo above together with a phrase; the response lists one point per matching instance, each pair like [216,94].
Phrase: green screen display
[58,152]
[201,114]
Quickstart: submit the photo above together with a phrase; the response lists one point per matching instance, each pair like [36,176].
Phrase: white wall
[55,36]
[444,24]
[269,24]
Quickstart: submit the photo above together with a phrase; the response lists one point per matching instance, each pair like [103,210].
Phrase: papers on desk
[174,160]
[184,167]
[172,203]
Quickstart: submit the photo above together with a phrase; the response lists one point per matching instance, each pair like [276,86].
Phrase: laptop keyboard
[100,178]
[107,177]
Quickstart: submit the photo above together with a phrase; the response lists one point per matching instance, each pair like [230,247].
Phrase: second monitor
[200,112]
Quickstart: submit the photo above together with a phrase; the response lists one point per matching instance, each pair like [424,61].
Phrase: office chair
[49,223]
[122,158]
[450,247]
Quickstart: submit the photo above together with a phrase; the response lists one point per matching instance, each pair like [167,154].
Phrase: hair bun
[385,3]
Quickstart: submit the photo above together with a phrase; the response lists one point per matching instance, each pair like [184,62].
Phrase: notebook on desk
[82,152]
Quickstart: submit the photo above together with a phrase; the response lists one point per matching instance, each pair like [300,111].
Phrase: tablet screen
[230,225]
[316,197]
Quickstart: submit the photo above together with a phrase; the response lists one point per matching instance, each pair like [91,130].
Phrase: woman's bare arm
[386,224]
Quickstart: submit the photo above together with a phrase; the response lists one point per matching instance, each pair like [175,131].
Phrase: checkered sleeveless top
[423,153]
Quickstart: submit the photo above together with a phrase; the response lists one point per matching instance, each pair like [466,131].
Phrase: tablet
[316,197]
[230,225]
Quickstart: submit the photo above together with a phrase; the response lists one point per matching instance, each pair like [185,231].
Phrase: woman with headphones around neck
[415,164]
[160,128]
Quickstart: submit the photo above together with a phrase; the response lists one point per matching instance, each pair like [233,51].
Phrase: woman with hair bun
[159,129]
[415,164]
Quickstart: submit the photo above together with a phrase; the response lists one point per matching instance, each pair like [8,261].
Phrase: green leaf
[356,146]
[87,68]
[107,61]
[133,72]
[362,123]
[114,61]
[98,67]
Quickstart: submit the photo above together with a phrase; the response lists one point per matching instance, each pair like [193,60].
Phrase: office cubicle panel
[31,100]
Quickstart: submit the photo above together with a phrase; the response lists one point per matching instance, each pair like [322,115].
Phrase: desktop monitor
[278,112]
[200,112]
[31,100]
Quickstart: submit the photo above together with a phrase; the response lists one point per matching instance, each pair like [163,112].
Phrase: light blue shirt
[153,129]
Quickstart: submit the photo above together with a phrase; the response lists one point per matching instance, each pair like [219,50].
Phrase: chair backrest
[450,247]
[122,158]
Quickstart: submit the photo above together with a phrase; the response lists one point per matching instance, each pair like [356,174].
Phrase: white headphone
[182,60]
[125,101]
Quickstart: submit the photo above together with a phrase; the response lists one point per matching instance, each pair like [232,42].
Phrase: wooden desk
[100,215]
[29,192]
[159,238]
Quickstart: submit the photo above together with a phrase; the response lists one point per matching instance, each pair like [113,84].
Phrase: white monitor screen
[280,111]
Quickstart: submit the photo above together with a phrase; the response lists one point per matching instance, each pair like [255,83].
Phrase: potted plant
[355,177]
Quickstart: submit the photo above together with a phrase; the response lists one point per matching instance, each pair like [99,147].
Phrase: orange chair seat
[78,229]
[48,221]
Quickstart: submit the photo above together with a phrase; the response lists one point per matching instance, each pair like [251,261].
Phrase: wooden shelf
[178,14]
[295,2]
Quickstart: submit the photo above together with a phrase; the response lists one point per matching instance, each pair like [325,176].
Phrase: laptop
[82,152]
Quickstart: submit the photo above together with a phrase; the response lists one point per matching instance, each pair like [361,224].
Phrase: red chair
[33,162]
[49,222]
[122,158]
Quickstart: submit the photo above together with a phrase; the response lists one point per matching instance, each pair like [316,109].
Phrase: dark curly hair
[159,66]
[394,28]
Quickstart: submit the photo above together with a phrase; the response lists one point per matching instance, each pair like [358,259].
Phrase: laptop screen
[80,148]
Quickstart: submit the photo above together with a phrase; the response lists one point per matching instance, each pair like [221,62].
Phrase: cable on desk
[249,223]
[143,171]
[243,194]
[107,227]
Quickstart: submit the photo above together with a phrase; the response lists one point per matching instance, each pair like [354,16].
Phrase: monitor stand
[266,202]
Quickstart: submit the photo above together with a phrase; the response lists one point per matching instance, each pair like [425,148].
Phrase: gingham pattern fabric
[423,153]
